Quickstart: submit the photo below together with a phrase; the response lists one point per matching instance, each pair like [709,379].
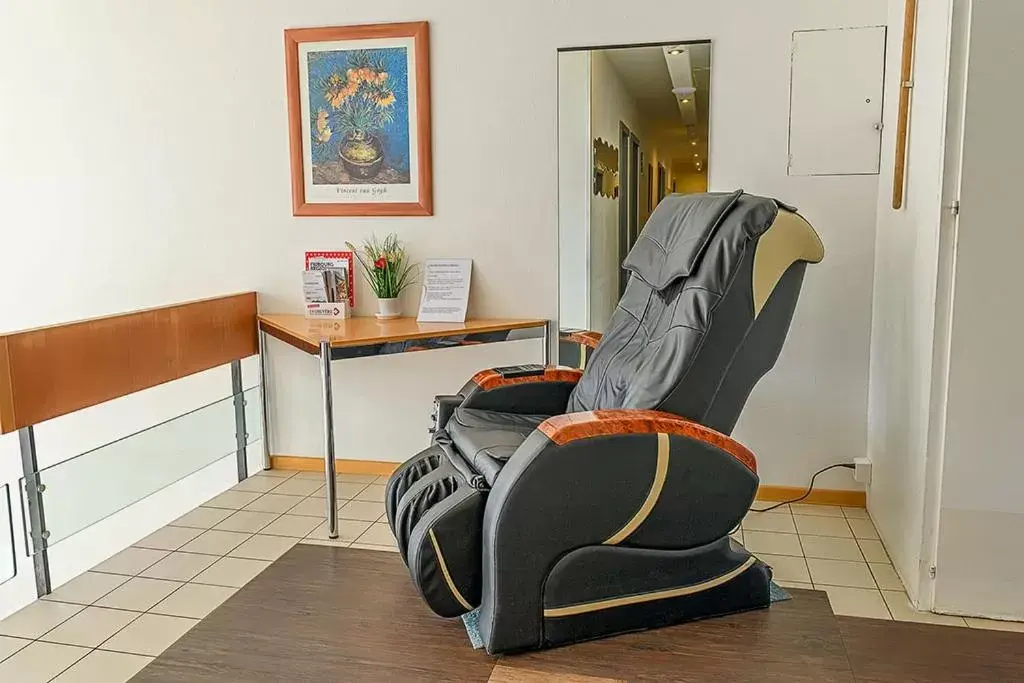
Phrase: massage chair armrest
[531,389]
[586,338]
[639,478]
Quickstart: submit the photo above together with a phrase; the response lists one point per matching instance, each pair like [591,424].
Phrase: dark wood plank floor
[332,614]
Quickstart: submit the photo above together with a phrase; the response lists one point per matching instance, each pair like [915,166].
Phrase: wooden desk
[359,337]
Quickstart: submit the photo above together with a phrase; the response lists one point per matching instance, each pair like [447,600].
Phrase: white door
[836,101]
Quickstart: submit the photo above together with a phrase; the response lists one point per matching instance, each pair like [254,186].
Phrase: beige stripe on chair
[444,571]
[660,471]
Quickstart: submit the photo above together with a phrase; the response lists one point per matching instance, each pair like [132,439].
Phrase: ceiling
[650,74]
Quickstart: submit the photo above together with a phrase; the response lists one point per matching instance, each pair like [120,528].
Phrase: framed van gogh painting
[359,120]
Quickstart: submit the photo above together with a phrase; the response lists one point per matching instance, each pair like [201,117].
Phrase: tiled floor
[107,624]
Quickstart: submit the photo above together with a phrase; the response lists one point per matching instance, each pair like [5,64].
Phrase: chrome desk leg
[332,493]
[265,416]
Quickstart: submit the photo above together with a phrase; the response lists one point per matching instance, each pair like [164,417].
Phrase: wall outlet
[862,470]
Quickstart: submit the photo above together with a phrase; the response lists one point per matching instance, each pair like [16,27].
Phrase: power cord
[810,487]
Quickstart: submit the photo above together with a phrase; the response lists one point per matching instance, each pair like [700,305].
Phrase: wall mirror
[633,126]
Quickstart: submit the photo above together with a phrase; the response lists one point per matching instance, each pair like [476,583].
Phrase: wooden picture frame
[359,120]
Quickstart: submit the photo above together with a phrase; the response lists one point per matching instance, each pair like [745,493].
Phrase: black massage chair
[570,505]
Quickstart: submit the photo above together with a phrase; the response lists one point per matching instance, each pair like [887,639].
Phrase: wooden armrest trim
[563,429]
[586,338]
[489,379]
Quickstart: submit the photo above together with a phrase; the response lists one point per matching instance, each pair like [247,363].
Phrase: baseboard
[853,499]
[297,462]
[850,499]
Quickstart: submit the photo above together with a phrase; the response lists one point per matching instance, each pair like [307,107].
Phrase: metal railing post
[241,434]
[36,518]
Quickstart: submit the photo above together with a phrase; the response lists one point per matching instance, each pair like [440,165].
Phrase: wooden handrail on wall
[903,117]
[53,371]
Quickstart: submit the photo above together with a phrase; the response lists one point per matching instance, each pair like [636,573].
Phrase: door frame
[959,47]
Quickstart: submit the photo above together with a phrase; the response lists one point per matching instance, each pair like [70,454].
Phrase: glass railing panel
[253,415]
[7,565]
[88,488]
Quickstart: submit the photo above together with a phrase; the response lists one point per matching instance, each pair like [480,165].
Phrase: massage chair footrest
[437,517]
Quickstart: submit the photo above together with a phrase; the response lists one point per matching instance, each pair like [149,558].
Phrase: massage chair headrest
[678,232]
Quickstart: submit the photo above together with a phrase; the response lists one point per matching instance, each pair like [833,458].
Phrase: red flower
[380,263]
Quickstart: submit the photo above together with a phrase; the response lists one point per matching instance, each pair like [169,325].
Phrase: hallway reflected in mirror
[632,127]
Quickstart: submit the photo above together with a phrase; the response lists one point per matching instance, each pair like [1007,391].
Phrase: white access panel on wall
[836,101]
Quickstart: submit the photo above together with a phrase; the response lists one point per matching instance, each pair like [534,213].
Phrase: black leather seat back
[687,336]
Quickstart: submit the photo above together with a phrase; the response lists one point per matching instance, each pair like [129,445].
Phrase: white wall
[575,187]
[146,162]
[980,558]
[903,321]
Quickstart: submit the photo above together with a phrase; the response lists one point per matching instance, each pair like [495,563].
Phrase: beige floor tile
[823,526]
[179,566]
[817,510]
[370,546]
[855,513]
[857,602]
[232,571]
[246,521]
[104,667]
[168,538]
[840,573]
[272,502]
[773,543]
[150,634]
[261,547]
[139,594]
[202,518]
[362,510]
[312,474]
[377,534]
[863,528]
[766,504]
[348,530]
[873,550]
[40,662]
[298,487]
[280,474]
[831,548]
[373,492]
[214,542]
[348,490]
[737,536]
[86,588]
[90,627]
[795,584]
[38,618]
[992,625]
[787,568]
[761,521]
[193,600]
[258,483]
[8,646]
[309,540]
[131,561]
[295,526]
[902,611]
[358,478]
[312,507]
[232,500]
[886,577]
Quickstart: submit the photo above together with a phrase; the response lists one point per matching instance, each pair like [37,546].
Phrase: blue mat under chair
[471,619]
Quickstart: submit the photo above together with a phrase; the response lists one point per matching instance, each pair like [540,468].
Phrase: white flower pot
[388,308]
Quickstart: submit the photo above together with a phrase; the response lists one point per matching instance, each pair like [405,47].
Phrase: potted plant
[388,271]
[361,104]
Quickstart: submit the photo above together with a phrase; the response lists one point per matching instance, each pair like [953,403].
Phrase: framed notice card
[445,296]
[359,120]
